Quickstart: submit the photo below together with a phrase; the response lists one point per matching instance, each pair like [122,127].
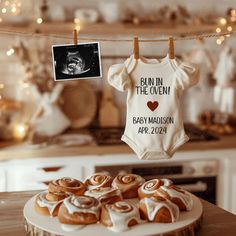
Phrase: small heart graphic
[152,105]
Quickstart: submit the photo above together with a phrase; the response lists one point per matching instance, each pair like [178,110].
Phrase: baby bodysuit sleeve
[186,74]
[119,74]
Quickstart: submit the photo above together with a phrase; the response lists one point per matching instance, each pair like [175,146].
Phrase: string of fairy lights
[225,28]
[223,31]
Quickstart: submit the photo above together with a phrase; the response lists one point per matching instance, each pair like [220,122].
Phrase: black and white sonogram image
[79,61]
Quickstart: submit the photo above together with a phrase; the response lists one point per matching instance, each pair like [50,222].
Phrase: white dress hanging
[224,74]
[52,121]
[198,98]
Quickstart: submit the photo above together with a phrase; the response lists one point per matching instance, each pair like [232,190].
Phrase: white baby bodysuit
[154,125]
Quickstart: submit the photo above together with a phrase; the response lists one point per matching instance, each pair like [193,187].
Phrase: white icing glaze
[43,202]
[150,186]
[103,193]
[126,184]
[153,207]
[121,218]
[133,202]
[83,204]
[185,197]
[167,182]
[70,228]
[97,180]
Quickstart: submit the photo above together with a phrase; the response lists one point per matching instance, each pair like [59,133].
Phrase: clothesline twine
[179,38]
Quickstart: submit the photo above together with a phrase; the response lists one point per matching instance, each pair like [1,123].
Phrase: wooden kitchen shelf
[112,29]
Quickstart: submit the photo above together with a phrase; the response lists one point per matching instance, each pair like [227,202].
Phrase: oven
[198,177]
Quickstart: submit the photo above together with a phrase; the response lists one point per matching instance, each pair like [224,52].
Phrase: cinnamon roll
[119,216]
[128,184]
[148,188]
[177,195]
[98,180]
[158,209]
[106,195]
[48,204]
[82,210]
[66,184]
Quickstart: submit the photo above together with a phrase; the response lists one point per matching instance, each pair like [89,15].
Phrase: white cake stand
[187,224]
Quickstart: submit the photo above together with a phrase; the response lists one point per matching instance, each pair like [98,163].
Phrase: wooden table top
[216,221]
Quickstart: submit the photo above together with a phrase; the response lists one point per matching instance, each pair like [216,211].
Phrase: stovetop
[108,136]
[112,136]
[195,134]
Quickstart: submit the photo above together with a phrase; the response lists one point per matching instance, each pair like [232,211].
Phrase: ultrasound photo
[79,61]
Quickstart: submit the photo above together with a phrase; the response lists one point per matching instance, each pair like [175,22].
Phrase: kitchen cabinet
[2,179]
[22,178]
[34,174]
[230,185]
[233,195]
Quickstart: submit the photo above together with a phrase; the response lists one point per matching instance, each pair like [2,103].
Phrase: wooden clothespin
[171,48]
[136,48]
[75,34]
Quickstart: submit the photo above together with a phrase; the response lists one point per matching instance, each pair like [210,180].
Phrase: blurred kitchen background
[79,131]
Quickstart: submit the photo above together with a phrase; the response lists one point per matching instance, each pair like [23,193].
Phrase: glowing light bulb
[233,12]
[218,41]
[76,20]
[10,52]
[39,20]
[20,130]
[222,38]
[13,9]
[223,21]
[229,28]
[4,10]
[1,86]
[218,30]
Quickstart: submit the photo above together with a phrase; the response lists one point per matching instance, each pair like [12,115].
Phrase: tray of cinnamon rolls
[103,205]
